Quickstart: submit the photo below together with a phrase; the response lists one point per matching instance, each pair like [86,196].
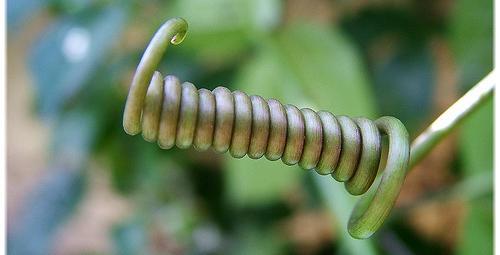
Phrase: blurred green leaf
[220,36]
[305,65]
[472,41]
[476,141]
[256,182]
[68,54]
[476,144]
[310,65]
[254,240]
[471,28]
[327,69]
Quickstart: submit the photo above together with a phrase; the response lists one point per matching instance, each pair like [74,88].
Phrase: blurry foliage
[69,52]
[471,34]
[374,61]
[471,37]
[477,234]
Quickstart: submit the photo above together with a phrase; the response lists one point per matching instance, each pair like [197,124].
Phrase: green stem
[451,118]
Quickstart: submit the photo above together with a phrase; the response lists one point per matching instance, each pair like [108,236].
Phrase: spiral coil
[171,113]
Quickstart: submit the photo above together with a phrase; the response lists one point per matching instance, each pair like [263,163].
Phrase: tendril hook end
[172,31]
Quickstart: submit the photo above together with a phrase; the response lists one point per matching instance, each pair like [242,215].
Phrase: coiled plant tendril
[349,149]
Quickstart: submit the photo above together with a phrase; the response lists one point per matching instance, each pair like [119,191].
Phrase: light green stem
[451,118]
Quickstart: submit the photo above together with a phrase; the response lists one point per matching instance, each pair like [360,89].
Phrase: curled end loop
[179,27]
[179,37]
[372,210]
[172,31]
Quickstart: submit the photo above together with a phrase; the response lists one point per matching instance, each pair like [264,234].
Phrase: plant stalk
[451,118]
